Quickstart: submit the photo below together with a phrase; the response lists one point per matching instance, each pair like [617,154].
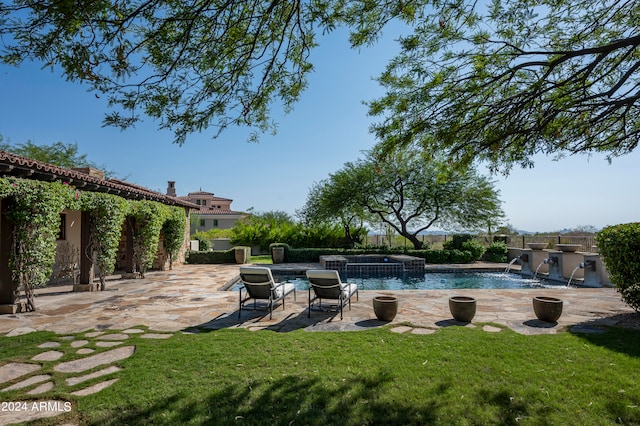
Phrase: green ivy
[619,246]
[35,217]
[107,213]
[149,217]
[173,230]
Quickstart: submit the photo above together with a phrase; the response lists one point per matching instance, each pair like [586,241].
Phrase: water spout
[514,260]
[538,268]
[580,266]
[547,261]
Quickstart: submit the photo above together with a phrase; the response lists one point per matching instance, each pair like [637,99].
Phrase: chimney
[171,189]
[90,171]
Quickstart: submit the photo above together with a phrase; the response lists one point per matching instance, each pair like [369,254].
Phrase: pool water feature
[435,281]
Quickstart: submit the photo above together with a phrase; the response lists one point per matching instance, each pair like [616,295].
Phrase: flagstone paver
[156,336]
[132,331]
[85,351]
[46,345]
[46,387]
[401,329]
[84,364]
[33,380]
[48,356]
[108,344]
[423,331]
[71,381]
[114,336]
[95,388]
[19,331]
[13,370]
[78,343]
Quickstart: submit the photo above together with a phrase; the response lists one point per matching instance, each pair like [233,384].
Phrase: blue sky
[326,129]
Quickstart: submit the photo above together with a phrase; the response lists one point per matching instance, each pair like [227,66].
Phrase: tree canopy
[412,193]
[504,80]
[500,80]
[58,154]
[189,65]
[331,201]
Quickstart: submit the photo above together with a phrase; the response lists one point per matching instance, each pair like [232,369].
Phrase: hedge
[209,257]
[619,246]
[292,255]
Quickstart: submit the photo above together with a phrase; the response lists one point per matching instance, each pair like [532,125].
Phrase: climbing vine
[145,221]
[34,214]
[173,231]
[107,213]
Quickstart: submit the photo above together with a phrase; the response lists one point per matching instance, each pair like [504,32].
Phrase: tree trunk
[417,243]
[348,236]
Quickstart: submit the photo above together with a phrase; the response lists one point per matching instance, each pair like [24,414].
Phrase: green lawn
[262,259]
[456,376]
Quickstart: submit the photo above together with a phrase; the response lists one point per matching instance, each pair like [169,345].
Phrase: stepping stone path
[23,377]
[417,330]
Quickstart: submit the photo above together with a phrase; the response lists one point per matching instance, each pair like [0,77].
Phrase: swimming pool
[433,281]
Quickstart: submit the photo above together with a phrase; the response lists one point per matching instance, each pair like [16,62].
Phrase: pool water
[435,281]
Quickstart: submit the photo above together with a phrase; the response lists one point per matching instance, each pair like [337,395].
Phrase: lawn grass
[264,259]
[456,376]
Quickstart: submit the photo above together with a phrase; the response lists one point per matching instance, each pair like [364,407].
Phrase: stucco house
[212,212]
[74,224]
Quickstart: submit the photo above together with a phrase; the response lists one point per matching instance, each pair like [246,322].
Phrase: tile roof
[27,168]
[214,211]
[213,198]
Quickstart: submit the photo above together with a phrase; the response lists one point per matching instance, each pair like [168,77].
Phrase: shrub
[473,246]
[456,241]
[619,246]
[203,242]
[461,256]
[497,252]
[211,257]
[464,242]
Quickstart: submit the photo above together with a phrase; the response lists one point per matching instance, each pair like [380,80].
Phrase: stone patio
[190,297]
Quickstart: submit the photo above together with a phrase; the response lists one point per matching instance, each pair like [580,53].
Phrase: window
[204,202]
[201,222]
[62,232]
[215,222]
[198,202]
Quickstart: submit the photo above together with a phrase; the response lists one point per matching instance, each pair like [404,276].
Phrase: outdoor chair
[67,262]
[326,284]
[258,284]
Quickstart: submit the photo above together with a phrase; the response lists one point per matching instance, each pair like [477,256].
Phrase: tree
[506,80]
[58,154]
[189,65]
[412,193]
[330,200]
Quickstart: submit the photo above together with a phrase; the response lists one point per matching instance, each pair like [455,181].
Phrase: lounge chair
[258,283]
[326,284]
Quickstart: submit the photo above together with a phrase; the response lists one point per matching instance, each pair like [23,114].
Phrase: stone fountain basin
[537,246]
[568,247]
